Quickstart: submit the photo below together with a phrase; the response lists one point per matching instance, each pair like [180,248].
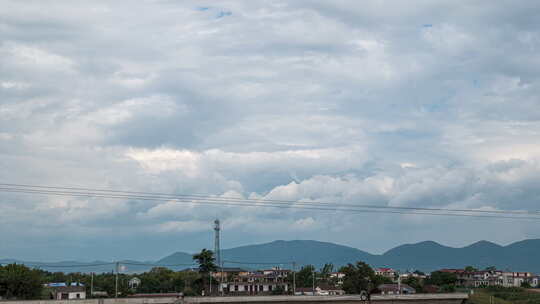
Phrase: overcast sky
[400,103]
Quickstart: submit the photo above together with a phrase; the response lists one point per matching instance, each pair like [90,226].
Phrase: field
[504,296]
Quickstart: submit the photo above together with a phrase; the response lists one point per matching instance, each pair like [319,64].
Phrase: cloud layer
[402,104]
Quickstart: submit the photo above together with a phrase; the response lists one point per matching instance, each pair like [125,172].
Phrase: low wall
[450,298]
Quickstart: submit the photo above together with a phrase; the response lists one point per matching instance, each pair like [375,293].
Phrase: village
[232,281]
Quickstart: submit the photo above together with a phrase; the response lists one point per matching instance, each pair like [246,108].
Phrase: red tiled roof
[452,270]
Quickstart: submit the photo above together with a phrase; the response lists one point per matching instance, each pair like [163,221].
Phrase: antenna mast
[217,250]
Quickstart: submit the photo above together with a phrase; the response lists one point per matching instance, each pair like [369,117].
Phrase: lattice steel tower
[217,249]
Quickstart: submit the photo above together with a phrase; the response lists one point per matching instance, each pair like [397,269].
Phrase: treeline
[20,282]
[358,277]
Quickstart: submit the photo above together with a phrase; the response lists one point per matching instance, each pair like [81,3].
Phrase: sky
[394,103]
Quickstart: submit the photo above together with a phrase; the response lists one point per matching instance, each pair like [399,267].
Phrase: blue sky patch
[223,14]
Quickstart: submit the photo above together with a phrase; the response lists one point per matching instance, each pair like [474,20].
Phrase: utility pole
[399,283]
[92,285]
[294,278]
[313,286]
[116,280]
[217,251]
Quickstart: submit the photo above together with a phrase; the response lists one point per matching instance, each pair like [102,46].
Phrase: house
[319,291]
[304,291]
[386,272]
[452,270]
[328,290]
[157,295]
[134,283]
[337,277]
[534,281]
[100,294]
[67,292]
[492,278]
[277,272]
[227,272]
[396,289]
[412,275]
[254,283]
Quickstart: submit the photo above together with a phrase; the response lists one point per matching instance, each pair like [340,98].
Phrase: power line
[297,202]
[65,266]
[155,265]
[258,263]
[242,203]
[245,204]
[256,203]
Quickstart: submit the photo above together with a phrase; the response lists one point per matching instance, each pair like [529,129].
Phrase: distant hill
[301,252]
[177,258]
[426,256]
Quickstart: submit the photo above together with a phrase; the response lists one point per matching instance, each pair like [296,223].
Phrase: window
[78,296]
[235,287]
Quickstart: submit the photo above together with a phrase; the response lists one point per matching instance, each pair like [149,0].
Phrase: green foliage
[304,277]
[502,295]
[159,279]
[446,281]
[20,282]
[358,277]
[379,279]
[470,269]
[279,290]
[326,270]
[415,283]
[441,278]
[482,297]
[206,260]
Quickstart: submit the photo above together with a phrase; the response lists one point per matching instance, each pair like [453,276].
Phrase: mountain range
[426,256]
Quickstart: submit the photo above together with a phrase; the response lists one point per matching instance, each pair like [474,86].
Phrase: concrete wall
[454,298]
[164,300]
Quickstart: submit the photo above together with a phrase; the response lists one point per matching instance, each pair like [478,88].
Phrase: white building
[254,287]
[134,283]
[68,293]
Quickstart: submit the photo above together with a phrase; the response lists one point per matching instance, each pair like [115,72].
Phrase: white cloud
[424,103]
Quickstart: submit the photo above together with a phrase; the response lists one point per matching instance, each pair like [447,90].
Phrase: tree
[470,269]
[358,277]
[191,282]
[491,268]
[304,277]
[20,282]
[326,270]
[206,260]
[414,283]
[379,279]
[159,280]
[447,281]
[279,290]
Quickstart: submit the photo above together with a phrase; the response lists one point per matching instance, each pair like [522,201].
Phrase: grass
[504,296]
[483,297]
